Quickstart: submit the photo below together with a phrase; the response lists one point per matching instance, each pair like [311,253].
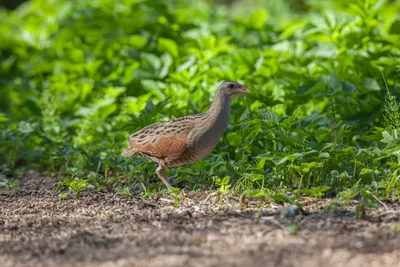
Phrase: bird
[187,139]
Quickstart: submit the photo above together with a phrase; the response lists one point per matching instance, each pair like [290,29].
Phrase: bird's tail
[130,152]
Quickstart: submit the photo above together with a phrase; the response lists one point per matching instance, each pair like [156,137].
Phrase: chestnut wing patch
[166,140]
[164,147]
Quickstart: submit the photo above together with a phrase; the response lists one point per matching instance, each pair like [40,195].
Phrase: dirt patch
[37,229]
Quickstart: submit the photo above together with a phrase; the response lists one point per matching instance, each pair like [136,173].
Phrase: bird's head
[232,89]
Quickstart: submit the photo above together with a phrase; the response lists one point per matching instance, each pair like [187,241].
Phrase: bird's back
[166,141]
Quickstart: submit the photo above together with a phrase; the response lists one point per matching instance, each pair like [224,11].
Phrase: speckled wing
[165,141]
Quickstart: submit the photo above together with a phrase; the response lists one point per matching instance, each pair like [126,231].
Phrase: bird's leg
[161,173]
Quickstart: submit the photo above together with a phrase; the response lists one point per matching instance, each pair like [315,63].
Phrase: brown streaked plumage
[187,139]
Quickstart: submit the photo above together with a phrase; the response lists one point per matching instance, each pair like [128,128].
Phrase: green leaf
[324,155]
[294,156]
[306,87]
[293,228]
[255,193]
[261,163]
[184,66]
[3,117]
[349,87]
[167,61]
[62,196]
[371,84]
[234,139]
[333,82]
[387,137]
[282,198]
[291,29]
[169,46]
[153,60]
[395,28]
[282,161]
[315,191]
[25,127]
[138,41]
[154,86]
[258,19]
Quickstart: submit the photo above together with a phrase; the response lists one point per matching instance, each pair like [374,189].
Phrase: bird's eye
[231,86]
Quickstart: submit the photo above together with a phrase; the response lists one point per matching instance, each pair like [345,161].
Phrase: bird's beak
[244,90]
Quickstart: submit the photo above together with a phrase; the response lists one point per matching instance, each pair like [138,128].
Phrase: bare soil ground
[38,229]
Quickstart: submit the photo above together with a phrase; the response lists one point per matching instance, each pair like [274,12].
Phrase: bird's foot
[167,182]
[166,185]
[174,183]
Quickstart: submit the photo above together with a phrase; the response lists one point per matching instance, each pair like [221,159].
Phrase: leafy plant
[77,78]
[76,185]
[8,185]
[223,184]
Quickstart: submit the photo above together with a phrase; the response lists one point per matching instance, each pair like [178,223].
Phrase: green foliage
[76,78]
[293,228]
[223,184]
[8,185]
[74,183]
[396,227]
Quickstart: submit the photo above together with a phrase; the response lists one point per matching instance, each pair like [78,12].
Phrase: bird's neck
[213,126]
[220,110]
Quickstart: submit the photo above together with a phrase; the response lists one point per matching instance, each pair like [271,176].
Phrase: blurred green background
[77,77]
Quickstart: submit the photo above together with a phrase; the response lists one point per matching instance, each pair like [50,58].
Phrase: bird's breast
[209,138]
